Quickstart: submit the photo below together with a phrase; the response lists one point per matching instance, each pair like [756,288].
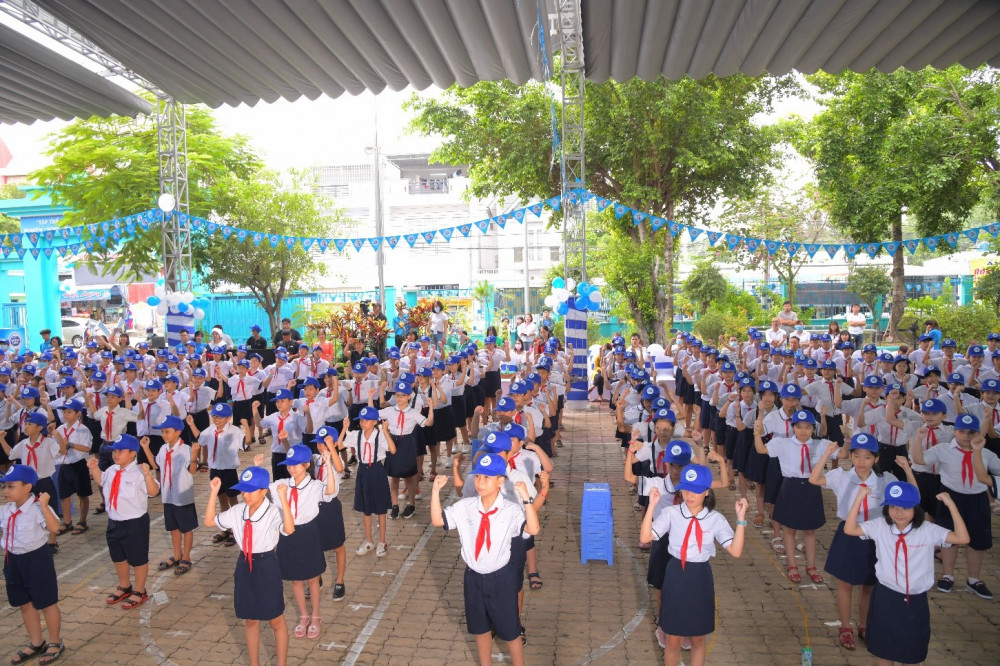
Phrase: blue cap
[222,410]
[490,340]
[253,478]
[370,360]
[660,403]
[326,431]
[114,390]
[863,440]
[518,388]
[424,372]
[990,385]
[255,327]
[402,387]
[886,357]
[948,342]
[847,343]
[974,350]
[650,392]
[967,422]
[38,418]
[359,368]
[767,385]
[21,473]
[367,414]
[310,381]
[933,406]
[160,367]
[802,416]
[873,381]
[437,365]
[992,336]
[956,378]
[172,422]
[678,453]
[67,382]
[505,404]
[931,369]
[172,378]
[297,455]
[810,363]
[515,430]
[695,478]
[153,385]
[498,441]
[125,443]
[763,346]
[131,366]
[393,353]
[664,414]
[281,354]
[828,365]
[99,376]
[490,465]
[824,337]
[407,377]
[246,364]
[925,338]
[902,494]
[895,386]
[413,345]
[424,338]
[791,391]
[75,405]
[281,394]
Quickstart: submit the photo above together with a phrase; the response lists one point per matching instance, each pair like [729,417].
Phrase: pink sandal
[314,627]
[300,628]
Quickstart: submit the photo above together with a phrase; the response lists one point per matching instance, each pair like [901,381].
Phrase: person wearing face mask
[438,324]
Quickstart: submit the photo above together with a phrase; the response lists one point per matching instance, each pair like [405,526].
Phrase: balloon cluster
[177,302]
[588,296]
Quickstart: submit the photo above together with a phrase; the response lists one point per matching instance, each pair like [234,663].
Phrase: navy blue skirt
[471,401]
[444,426]
[403,463]
[371,490]
[929,486]
[799,505]
[898,629]
[458,410]
[331,524]
[975,511]
[729,438]
[658,558]
[689,609]
[258,594]
[851,559]
[490,383]
[300,556]
[773,480]
[741,452]
[756,464]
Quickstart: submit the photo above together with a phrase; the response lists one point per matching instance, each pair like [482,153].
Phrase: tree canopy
[871,285]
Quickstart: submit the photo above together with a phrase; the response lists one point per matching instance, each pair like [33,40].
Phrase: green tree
[669,148]
[484,292]
[705,285]
[988,288]
[104,168]
[10,225]
[773,213]
[871,285]
[921,141]
[267,202]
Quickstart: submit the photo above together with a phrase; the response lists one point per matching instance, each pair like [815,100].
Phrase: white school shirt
[322,470]
[41,457]
[76,434]
[823,392]
[941,434]
[914,572]
[319,410]
[953,364]
[30,532]
[510,492]
[202,399]
[674,520]
[177,488]
[250,387]
[370,449]
[926,392]
[401,422]
[526,461]
[310,367]
[866,369]
[225,369]
[982,411]
[358,390]
[893,436]
[979,374]
[921,359]
[266,523]
[949,461]
[777,423]
[304,503]
[294,424]
[180,400]
[338,410]
[788,451]
[444,396]
[507,522]
[133,500]
[279,376]
[491,360]
[153,416]
[119,419]
[222,446]
[845,484]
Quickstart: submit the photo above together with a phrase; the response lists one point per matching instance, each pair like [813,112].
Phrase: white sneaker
[381,550]
[418,496]
[401,495]
[661,638]
[686,643]
[365,548]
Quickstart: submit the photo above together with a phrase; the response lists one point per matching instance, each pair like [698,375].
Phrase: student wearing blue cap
[287,427]
[932,433]
[358,387]
[277,377]
[176,462]
[371,490]
[26,519]
[404,423]
[39,452]
[126,487]
[491,358]
[444,424]
[257,525]
[898,622]
[73,479]
[221,443]
[487,526]
[692,526]
[957,462]
[851,560]
[326,464]
[987,410]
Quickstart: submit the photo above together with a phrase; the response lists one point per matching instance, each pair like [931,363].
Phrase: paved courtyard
[406,608]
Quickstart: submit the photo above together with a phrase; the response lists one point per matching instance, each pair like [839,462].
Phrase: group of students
[920,429]
[138,427]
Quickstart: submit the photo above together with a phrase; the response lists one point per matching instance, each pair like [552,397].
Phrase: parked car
[73,331]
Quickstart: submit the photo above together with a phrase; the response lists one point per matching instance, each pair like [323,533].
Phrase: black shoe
[353,460]
[945,584]
[409,511]
[54,547]
[339,591]
[524,637]
[394,514]
[978,587]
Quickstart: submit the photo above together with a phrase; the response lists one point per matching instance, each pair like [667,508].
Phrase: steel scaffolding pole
[171,147]
[572,161]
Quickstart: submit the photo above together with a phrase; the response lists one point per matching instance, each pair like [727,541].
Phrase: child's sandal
[120,594]
[315,624]
[24,656]
[141,598]
[778,545]
[301,627]
[847,638]
[794,577]
[861,633]
[758,520]
[63,528]
[814,576]
[80,528]
[183,566]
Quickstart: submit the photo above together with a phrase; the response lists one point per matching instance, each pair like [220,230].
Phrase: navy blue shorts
[181,518]
[975,511]
[491,603]
[229,479]
[74,479]
[31,578]
[279,471]
[128,540]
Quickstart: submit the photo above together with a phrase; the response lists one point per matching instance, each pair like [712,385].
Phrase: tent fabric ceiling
[244,51]
[39,84]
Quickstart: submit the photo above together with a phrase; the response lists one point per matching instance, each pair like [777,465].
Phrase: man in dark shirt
[288,343]
[286,326]
[256,341]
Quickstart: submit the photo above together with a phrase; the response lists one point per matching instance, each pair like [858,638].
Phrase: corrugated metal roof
[242,51]
[39,84]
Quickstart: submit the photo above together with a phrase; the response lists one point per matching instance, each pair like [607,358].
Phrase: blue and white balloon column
[561,300]
[180,308]
[574,308]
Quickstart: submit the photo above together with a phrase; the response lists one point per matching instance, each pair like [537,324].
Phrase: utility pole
[377,175]
[527,273]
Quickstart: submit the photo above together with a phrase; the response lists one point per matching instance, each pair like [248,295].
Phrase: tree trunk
[273,317]
[898,279]
[665,297]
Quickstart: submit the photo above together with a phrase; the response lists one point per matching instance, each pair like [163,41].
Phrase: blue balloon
[583,288]
[562,308]
[559,283]
[580,304]
[183,307]
[153,301]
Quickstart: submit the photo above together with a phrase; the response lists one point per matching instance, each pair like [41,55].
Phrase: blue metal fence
[12,315]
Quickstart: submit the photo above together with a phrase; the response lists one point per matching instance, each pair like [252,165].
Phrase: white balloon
[551,301]
[561,294]
[162,309]
[570,284]
[199,313]
[595,297]
[160,292]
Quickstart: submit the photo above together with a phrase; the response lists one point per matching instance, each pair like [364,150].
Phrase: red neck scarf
[693,524]
[247,545]
[805,462]
[116,484]
[168,466]
[901,543]
[968,476]
[484,531]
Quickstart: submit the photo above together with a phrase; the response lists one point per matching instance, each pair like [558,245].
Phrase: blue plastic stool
[597,533]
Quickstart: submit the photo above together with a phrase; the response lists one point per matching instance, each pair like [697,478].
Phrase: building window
[518,255]
[554,253]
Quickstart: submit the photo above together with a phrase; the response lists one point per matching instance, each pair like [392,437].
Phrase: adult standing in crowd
[932,329]
[378,345]
[286,325]
[400,323]
[256,341]
[788,318]
[528,331]
[856,322]
[438,324]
